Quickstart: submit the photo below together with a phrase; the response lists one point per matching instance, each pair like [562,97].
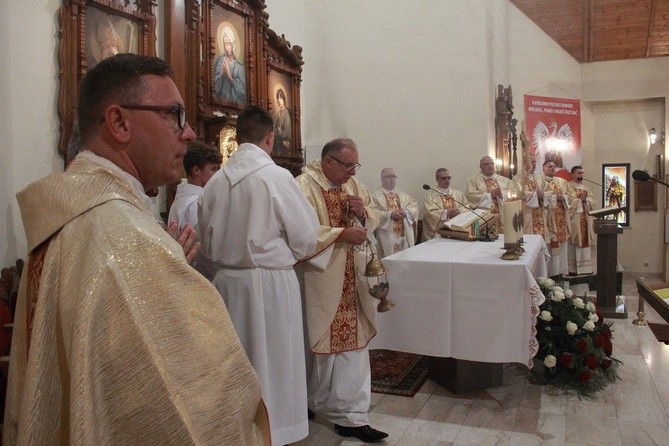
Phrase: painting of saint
[229,72]
[616,179]
[281,112]
[108,35]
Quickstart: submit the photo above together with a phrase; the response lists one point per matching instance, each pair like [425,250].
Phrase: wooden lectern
[607,258]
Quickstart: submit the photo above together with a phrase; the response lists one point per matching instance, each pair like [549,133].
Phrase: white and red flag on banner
[553,130]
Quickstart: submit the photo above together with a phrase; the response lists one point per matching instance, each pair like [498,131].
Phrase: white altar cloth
[458,299]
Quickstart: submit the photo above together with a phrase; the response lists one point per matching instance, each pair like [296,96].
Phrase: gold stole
[393,204]
[344,326]
[35,267]
[491,184]
[583,223]
[560,217]
[538,220]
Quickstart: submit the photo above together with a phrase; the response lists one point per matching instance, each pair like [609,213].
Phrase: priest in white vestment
[559,196]
[117,340]
[582,233]
[487,190]
[397,229]
[441,206]
[256,224]
[340,312]
[535,206]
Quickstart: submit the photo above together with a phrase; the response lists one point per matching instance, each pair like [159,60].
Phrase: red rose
[606,364]
[584,377]
[567,359]
[600,341]
[606,332]
[590,361]
[582,345]
[608,348]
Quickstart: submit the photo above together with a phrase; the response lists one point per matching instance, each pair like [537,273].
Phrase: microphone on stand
[596,184]
[641,175]
[485,222]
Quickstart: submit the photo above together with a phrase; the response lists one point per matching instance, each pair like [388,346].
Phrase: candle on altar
[510,233]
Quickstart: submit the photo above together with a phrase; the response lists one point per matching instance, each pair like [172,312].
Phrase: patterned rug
[397,373]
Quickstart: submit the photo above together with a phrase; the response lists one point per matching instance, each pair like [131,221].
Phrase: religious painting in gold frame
[616,182]
[227,142]
[229,58]
[91,31]
[281,95]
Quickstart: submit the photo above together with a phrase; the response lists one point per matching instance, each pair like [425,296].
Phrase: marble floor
[633,411]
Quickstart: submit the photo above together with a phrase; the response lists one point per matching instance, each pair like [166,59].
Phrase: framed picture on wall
[616,182]
[281,97]
[91,31]
[229,60]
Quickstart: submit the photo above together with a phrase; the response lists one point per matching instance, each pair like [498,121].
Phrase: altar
[458,299]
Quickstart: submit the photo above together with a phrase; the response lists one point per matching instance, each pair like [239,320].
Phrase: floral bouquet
[574,342]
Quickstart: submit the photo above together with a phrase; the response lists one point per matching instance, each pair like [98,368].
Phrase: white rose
[550,361]
[578,302]
[590,306]
[571,328]
[542,281]
[559,289]
[558,296]
[546,316]
[593,317]
[569,293]
[589,325]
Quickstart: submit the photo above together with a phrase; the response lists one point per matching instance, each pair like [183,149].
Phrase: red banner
[553,130]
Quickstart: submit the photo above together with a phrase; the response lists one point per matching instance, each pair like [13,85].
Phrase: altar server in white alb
[397,230]
[201,162]
[582,233]
[256,224]
[441,207]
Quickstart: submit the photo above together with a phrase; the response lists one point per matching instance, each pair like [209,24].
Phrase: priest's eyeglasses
[348,166]
[178,111]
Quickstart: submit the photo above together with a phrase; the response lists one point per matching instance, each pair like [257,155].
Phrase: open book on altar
[603,212]
[466,221]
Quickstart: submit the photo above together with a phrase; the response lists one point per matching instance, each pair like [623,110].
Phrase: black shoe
[310,414]
[363,433]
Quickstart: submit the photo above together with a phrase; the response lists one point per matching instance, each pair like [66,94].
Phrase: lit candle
[509,211]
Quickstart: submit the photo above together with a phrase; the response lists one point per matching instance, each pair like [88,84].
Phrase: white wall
[29,121]
[414,85]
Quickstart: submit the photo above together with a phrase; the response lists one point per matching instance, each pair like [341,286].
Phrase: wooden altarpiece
[90,31]
[264,63]
[506,139]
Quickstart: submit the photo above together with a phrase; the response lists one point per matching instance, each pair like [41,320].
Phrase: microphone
[485,222]
[641,175]
[596,184]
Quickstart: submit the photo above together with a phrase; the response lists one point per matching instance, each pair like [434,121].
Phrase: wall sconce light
[653,136]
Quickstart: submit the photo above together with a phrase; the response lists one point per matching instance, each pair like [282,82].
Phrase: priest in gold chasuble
[559,196]
[438,208]
[535,206]
[582,233]
[397,228]
[118,341]
[487,190]
[340,312]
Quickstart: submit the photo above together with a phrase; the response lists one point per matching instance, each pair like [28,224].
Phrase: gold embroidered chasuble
[340,312]
[479,186]
[394,236]
[534,216]
[117,340]
[434,205]
[582,233]
[559,225]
